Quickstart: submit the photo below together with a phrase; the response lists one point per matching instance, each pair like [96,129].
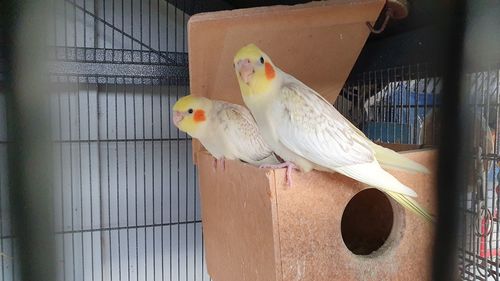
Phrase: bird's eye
[262,60]
[190,111]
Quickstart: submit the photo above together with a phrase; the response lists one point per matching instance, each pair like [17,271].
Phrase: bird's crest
[184,103]
[250,51]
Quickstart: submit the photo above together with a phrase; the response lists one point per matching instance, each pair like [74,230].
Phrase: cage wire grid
[137,38]
[126,193]
[480,230]
[401,105]
[391,105]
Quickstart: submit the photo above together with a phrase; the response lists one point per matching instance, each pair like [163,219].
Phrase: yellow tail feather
[391,159]
[411,205]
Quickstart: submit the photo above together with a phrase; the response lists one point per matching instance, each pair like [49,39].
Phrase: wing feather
[242,133]
[312,128]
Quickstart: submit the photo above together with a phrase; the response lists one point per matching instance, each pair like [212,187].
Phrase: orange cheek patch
[269,71]
[199,115]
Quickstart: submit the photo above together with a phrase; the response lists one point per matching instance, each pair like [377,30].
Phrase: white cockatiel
[306,131]
[227,131]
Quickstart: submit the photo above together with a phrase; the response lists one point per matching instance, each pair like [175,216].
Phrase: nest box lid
[317,42]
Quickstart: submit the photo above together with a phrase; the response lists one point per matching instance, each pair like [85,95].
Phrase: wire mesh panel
[479,246]
[395,105]
[126,198]
[133,38]
[126,192]
[401,105]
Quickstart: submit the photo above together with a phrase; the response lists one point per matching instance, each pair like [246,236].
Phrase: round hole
[367,222]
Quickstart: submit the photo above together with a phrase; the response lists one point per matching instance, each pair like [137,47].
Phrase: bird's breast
[267,127]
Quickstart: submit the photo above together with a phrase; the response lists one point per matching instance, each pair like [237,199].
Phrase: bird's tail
[390,159]
[411,205]
[373,175]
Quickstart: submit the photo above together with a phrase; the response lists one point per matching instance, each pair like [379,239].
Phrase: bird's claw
[289,168]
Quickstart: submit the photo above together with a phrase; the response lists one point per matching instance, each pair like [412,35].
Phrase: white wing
[312,128]
[242,134]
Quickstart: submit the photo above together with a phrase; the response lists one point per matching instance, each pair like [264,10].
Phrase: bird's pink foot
[289,167]
[289,170]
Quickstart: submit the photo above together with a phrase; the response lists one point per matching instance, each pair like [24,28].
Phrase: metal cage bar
[125,203]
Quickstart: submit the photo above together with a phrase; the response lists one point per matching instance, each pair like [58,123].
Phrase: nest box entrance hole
[367,221]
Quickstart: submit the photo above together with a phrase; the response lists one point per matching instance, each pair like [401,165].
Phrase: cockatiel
[227,131]
[306,131]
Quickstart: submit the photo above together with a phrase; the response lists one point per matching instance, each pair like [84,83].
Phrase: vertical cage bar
[136,183]
[101,190]
[108,183]
[451,177]
[170,180]
[80,174]
[144,179]
[178,190]
[125,93]
[70,144]
[495,151]
[90,182]
[61,180]
[416,106]
[118,218]
[153,173]
[162,228]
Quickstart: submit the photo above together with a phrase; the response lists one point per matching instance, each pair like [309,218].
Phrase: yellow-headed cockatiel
[227,131]
[306,131]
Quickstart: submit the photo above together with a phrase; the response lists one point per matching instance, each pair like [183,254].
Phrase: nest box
[327,226]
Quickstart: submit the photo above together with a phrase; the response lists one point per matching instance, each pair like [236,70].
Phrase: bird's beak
[177,118]
[245,70]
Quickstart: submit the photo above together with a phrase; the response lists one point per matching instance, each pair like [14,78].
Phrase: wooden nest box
[327,226]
